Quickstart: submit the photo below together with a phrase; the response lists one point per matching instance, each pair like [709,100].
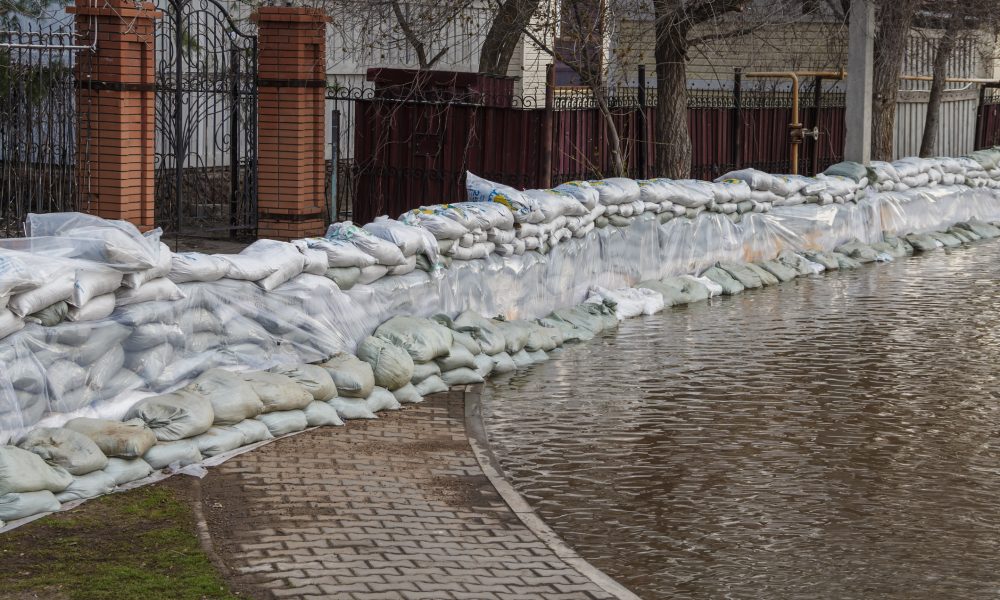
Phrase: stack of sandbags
[386,254]
[346,263]
[628,302]
[583,322]
[413,242]
[425,340]
[357,395]
[622,201]
[467,230]
[392,368]
[268,263]
[679,290]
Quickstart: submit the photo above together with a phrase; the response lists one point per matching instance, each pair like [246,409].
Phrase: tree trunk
[511,19]
[672,138]
[894,20]
[618,161]
[946,47]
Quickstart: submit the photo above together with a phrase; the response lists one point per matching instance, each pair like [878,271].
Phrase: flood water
[837,436]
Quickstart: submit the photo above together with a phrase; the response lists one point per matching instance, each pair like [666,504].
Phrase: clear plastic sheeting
[100,368]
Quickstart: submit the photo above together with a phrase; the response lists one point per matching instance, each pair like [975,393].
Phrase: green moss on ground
[137,544]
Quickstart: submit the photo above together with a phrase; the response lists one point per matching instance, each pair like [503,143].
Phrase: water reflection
[831,437]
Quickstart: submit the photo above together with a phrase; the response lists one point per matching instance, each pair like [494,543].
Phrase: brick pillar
[291,114]
[117,107]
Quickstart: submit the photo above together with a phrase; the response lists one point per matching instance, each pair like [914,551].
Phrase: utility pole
[860,46]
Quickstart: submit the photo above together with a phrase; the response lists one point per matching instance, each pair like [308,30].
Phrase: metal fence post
[980,119]
[738,118]
[547,117]
[640,141]
[817,98]
[334,160]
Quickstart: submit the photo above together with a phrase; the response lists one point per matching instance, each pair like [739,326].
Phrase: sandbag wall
[148,321]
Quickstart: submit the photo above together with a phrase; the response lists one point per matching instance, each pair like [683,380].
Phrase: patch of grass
[138,544]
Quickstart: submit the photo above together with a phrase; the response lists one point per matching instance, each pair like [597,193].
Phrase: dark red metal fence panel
[988,119]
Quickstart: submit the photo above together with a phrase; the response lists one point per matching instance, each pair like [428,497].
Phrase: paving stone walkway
[392,508]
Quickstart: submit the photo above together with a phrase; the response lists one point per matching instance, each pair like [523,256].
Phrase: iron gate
[206,122]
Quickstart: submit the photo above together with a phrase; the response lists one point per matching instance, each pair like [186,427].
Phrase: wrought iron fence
[988,117]
[44,132]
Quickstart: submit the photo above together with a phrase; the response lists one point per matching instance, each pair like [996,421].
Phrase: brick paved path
[393,508]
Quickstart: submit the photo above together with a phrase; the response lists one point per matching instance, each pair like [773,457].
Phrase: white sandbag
[501,236]
[431,219]
[353,377]
[340,254]
[483,330]
[312,378]
[372,274]
[218,440]
[106,367]
[174,416]
[582,191]
[381,399]
[465,340]
[714,289]
[162,268]
[524,209]
[150,335]
[157,290]
[503,363]
[316,262]
[253,431]
[556,203]
[460,376]
[484,365]
[432,385]
[286,259]
[522,359]
[391,365]
[408,394]
[9,323]
[93,282]
[515,335]
[181,452]
[150,363]
[410,240]
[65,448]
[24,471]
[86,486]
[126,471]
[95,309]
[276,392]
[319,414]
[422,371]
[616,190]
[284,422]
[424,339]
[233,399]
[384,252]
[16,506]
[458,357]
[480,216]
[116,243]
[538,356]
[474,252]
[409,266]
[631,302]
[55,290]
[253,263]
[352,408]
[195,266]
[123,439]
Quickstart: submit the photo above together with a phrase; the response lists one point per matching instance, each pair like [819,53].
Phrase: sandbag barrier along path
[122,360]
[393,508]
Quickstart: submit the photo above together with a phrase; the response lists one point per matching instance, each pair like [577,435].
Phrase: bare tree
[943,53]
[511,20]
[894,19]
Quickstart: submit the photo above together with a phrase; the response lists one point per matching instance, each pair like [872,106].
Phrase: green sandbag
[827,259]
[799,263]
[846,262]
[747,278]
[980,228]
[862,253]
[782,272]
[948,240]
[677,290]
[730,286]
[898,244]
[764,275]
[963,235]
[851,170]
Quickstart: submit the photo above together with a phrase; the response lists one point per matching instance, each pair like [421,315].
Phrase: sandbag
[253,431]
[218,440]
[319,414]
[24,471]
[521,359]
[780,271]
[765,276]
[422,371]
[284,422]
[515,336]
[64,448]
[503,363]
[181,452]
[384,252]
[59,288]
[353,377]
[276,392]
[459,357]
[423,339]
[316,262]
[122,439]
[484,365]
[312,378]
[538,356]
[860,252]
[195,266]
[20,505]
[157,290]
[407,394]
[86,486]
[126,471]
[341,254]
[391,365]
[381,399]
[372,274]
[729,285]
[9,323]
[802,265]
[96,309]
[232,398]
[352,408]
[344,277]
[410,240]
[826,259]
[923,242]
[747,278]
[174,416]
[483,330]
[432,385]
[846,262]
[466,340]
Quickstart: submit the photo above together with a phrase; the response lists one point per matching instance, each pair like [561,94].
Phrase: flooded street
[831,437]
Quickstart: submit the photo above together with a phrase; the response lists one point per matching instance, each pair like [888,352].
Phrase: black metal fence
[44,133]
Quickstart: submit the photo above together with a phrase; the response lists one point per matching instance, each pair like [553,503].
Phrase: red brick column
[116,103]
[291,113]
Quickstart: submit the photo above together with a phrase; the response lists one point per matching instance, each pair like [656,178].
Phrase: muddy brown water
[837,436]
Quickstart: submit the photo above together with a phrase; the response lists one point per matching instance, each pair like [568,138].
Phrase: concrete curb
[476,433]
